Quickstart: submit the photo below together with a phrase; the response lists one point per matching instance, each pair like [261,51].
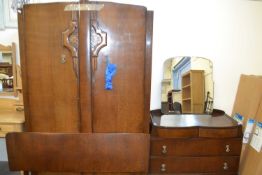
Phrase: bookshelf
[193,91]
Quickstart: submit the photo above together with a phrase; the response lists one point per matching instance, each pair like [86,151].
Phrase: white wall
[3,153]
[8,36]
[229,32]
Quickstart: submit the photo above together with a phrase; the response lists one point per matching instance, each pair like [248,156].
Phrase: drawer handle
[163,167]
[164,149]
[227,148]
[0,129]
[225,166]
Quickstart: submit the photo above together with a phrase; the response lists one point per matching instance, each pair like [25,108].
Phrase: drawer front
[194,164]
[223,173]
[219,133]
[197,132]
[95,152]
[5,128]
[195,147]
[175,132]
[10,127]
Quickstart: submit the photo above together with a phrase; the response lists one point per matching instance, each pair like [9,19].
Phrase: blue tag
[109,73]
[251,121]
[239,118]
[259,124]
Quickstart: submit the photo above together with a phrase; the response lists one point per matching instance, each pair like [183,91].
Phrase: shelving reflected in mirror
[187,85]
[8,81]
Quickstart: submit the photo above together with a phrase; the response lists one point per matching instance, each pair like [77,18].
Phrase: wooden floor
[4,170]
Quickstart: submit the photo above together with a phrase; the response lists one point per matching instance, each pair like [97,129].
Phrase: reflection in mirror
[7,69]
[187,85]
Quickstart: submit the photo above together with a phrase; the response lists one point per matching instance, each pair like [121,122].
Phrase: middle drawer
[195,147]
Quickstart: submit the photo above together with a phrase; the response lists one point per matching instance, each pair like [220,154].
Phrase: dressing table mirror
[187,85]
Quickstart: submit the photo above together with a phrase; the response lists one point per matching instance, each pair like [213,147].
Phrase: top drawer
[195,147]
[197,132]
[229,132]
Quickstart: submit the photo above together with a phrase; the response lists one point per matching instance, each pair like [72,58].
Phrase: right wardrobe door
[123,107]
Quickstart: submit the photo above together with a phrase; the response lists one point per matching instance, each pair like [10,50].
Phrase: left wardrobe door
[49,68]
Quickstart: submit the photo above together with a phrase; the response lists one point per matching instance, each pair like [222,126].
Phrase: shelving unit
[193,91]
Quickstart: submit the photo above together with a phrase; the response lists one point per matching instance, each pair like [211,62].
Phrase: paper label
[84,7]
[239,118]
[248,130]
[256,141]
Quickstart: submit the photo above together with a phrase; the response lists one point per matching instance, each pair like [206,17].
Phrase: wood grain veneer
[115,153]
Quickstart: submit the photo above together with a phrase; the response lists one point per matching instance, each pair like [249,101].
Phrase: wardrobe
[86,71]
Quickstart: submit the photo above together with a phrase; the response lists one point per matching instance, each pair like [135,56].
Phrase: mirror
[7,70]
[187,85]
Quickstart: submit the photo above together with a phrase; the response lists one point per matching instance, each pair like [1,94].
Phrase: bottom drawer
[102,152]
[194,164]
[194,173]
[11,127]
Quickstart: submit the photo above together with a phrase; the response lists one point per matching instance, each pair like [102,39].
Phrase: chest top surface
[188,120]
[193,120]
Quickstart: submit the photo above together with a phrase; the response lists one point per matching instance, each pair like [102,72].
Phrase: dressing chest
[194,144]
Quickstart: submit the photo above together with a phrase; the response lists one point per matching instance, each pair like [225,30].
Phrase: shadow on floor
[4,169]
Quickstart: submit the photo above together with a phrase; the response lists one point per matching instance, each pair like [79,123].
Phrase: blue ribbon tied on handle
[109,74]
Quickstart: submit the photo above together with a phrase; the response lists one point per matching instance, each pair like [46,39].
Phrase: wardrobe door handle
[63,59]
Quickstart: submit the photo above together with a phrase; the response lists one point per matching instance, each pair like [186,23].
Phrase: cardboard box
[248,96]
[248,103]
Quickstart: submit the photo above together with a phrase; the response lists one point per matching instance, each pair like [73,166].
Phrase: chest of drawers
[195,144]
[11,121]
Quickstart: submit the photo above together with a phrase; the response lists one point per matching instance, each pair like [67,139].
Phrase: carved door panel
[50,79]
[122,108]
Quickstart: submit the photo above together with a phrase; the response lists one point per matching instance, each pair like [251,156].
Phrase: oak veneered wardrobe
[86,70]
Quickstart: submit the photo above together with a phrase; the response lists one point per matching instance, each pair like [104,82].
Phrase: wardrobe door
[122,108]
[50,81]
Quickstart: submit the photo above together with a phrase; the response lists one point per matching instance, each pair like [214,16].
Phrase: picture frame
[10,16]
